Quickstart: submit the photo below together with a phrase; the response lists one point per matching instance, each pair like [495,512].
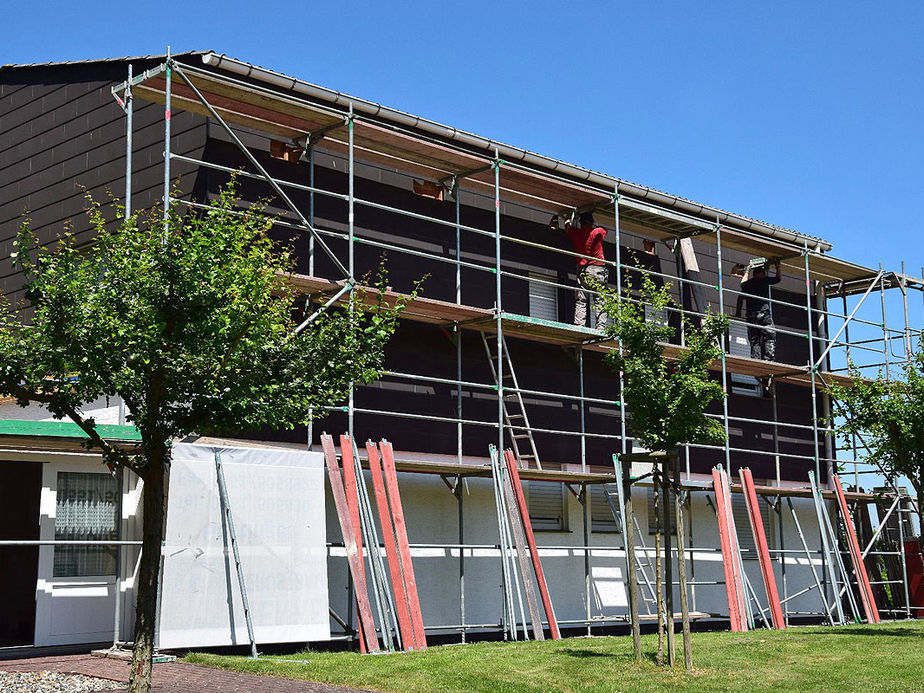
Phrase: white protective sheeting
[276,498]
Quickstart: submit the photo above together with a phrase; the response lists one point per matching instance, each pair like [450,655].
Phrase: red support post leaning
[737,565]
[514,475]
[352,499]
[408,636]
[404,549]
[729,558]
[763,551]
[354,559]
[856,557]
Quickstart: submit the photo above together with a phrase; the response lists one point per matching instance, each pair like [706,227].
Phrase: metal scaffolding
[456,165]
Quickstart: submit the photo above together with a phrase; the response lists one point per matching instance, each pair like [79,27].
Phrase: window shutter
[546,502]
[601,513]
[543,298]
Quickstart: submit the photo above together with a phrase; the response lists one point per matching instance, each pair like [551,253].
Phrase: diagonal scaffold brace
[263,172]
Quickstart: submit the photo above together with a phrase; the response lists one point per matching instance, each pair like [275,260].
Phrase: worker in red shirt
[587,240]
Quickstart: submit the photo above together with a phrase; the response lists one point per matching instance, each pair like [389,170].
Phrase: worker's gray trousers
[761,335]
[590,278]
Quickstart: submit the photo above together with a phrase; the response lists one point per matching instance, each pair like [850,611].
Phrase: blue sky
[807,115]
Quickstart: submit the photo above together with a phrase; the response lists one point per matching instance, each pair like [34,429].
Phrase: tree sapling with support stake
[666,399]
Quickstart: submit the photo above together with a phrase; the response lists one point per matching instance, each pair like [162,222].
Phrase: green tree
[666,400]
[889,417]
[190,322]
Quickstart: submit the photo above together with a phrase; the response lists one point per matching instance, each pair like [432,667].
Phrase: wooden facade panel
[101,166]
[87,126]
[35,117]
[52,147]
[8,90]
[66,138]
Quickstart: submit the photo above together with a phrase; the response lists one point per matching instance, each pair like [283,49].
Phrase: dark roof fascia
[104,69]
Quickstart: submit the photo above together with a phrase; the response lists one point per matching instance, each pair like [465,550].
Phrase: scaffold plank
[404,549]
[354,559]
[386,522]
[730,557]
[352,500]
[763,551]
[433,311]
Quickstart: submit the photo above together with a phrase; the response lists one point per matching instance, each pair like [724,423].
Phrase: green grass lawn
[888,657]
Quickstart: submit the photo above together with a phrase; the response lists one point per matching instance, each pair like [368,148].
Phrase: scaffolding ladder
[516,422]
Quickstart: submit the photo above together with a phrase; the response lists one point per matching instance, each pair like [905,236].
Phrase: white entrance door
[76,584]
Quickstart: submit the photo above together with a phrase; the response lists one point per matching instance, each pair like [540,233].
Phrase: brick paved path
[174,677]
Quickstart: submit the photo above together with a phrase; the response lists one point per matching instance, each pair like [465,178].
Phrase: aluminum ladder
[515,419]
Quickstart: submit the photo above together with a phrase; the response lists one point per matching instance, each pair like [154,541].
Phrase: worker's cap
[586,218]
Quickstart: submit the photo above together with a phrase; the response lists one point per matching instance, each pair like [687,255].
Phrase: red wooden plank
[856,557]
[404,549]
[408,636]
[352,499]
[354,559]
[728,558]
[531,541]
[737,567]
[763,550]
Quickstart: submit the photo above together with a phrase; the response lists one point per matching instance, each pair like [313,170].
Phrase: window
[602,517]
[651,512]
[85,510]
[738,345]
[743,525]
[543,298]
[546,503]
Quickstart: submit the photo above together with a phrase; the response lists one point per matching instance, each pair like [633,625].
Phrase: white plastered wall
[432,518]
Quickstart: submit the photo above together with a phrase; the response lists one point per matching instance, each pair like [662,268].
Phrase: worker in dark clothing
[755,284]
[587,240]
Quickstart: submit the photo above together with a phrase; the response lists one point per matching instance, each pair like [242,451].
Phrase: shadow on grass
[616,656]
[867,630]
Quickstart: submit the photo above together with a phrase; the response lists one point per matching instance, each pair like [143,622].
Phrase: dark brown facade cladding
[62,135]
[61,132]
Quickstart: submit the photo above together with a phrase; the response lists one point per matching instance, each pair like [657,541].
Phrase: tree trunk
[632,574]
[682,571]
[667,524]
[154,502]
[659,583]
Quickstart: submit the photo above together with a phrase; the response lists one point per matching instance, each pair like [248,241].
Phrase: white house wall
[431,511]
